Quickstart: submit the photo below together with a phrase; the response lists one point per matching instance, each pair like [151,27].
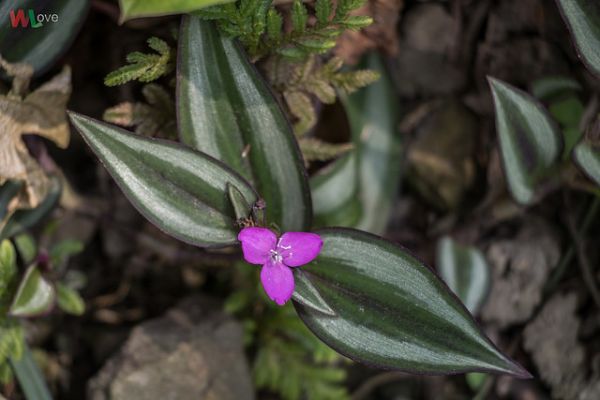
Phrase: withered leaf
[41,112]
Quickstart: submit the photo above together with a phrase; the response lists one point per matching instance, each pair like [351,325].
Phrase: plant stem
[30,377]
[584,262]
[561,268]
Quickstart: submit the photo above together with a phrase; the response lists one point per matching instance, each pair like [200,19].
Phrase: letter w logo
[19,18]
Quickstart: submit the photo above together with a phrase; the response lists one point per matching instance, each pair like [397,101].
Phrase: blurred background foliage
[396,121]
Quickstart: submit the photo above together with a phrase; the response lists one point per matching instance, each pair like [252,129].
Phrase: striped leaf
[583,19]
[529,140]
[226,110]
[465,271]
[151,8]
[588,158]
[181,191]
[391,311]
[358,189]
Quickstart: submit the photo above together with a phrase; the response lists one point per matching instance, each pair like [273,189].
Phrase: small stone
[194,352]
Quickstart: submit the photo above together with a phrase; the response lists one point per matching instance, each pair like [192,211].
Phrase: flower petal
[299,248]
[257,244]
[278,281]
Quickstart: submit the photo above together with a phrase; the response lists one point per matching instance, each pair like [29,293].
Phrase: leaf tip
[495,83]
[517,371]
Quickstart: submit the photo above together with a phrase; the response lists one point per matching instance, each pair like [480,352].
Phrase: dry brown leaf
[42,112]
[551,338]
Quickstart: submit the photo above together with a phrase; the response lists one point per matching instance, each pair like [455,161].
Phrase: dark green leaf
[30,377]
[361,195]
[150,8]
[465,271]
[226,110]
[240,205]
[69,300]
[547,88]
[27,247]
[393,312]
[583,19]
[65,249]
[571,137]
[26,218]
[181,191]
[35,295]
[588,159]
[475,380]
[40,47]
[568,111]
[307,294]
[334,193]
[7,192]
[529,139]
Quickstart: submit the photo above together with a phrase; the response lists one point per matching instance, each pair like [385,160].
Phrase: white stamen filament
[275,256]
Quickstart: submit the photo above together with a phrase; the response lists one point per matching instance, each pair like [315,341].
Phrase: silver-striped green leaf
[181,191]
[548,87]
[588,159]
[308,295]
[391,311]
[465,271]
[358,189]
[335,193]
[27,247]
[226,110]
[529,139]
[583,19]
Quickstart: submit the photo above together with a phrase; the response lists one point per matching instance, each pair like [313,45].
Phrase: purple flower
[261,246]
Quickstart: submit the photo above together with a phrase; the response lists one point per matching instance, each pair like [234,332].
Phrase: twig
[561,268]
[373,383]
[584,263]
[485,389]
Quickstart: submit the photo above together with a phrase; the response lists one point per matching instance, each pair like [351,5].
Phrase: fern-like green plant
[11,346]
[144,67]
[259,26]
[299,83]
[11,333]
[312,369]
[292,66]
